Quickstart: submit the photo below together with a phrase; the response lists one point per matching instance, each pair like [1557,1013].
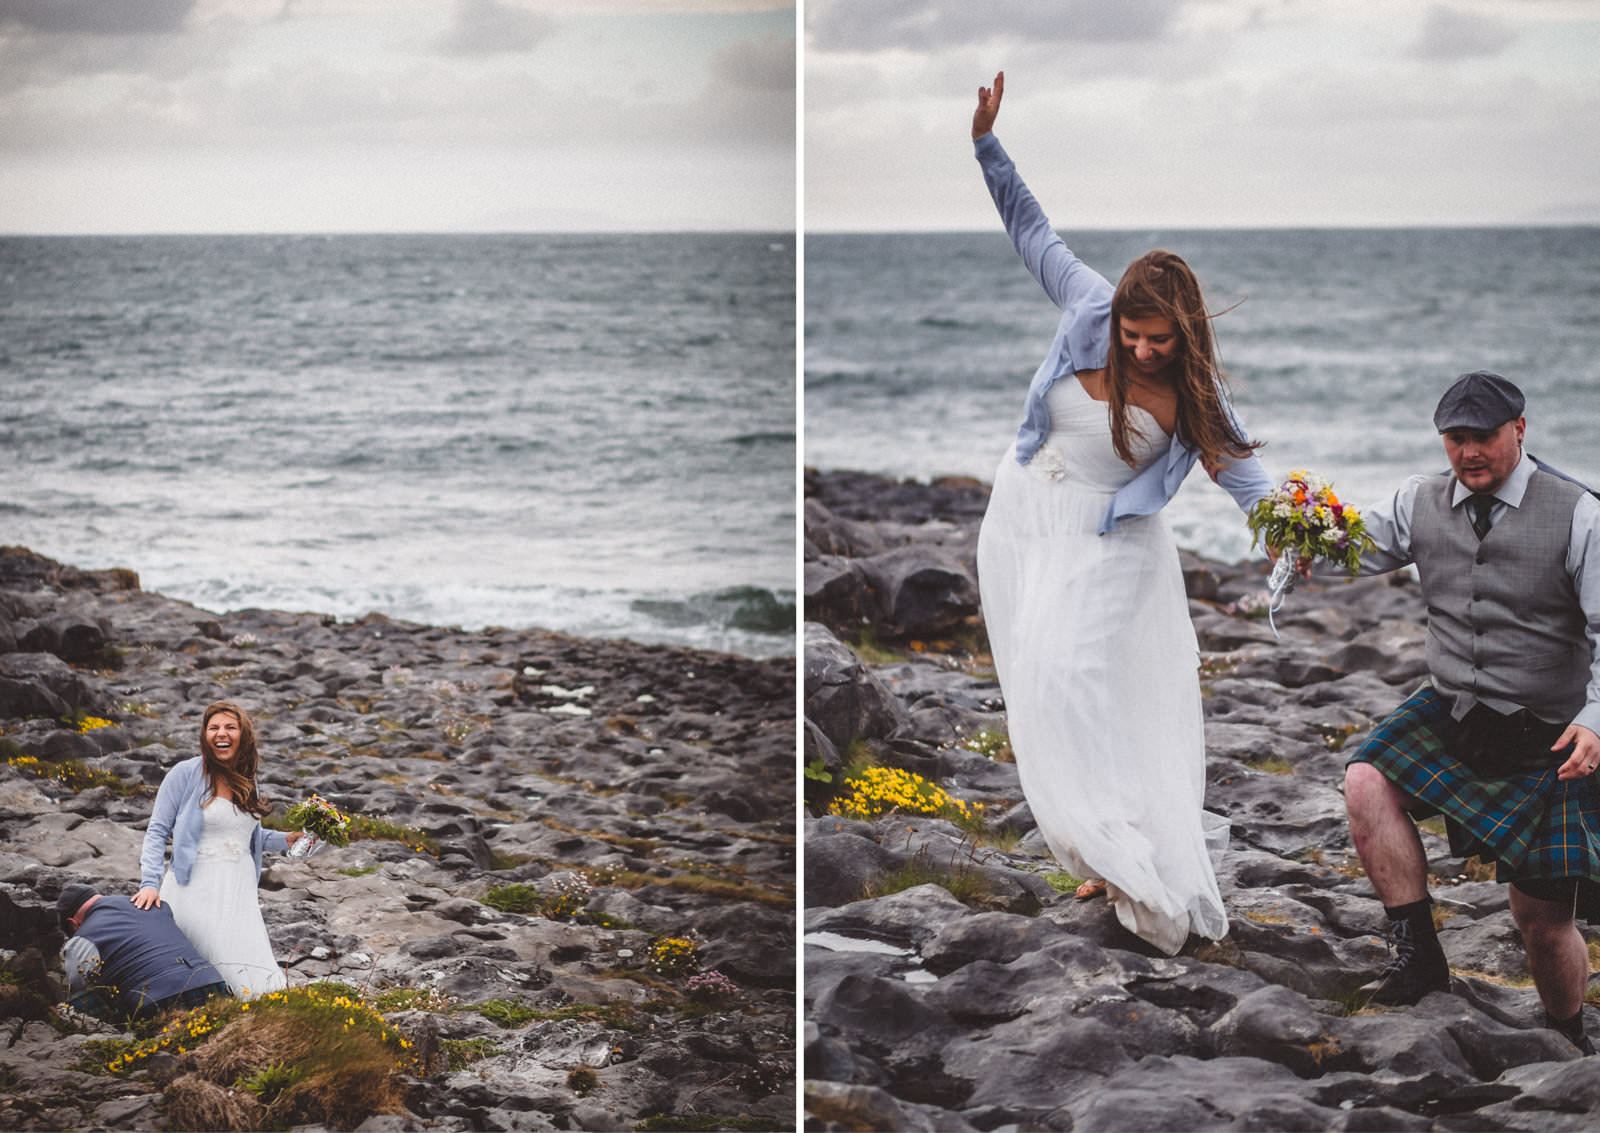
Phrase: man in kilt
[1502,741]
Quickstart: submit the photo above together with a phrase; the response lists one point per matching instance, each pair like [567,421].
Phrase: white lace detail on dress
[1049,463]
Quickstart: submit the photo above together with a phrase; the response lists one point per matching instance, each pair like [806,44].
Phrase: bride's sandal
[1091,889]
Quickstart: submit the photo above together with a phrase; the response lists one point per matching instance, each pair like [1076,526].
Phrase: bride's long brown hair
[239,773]
[1160,283]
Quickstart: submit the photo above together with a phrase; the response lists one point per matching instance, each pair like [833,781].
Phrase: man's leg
[1385,836]
[1391,852]
[1557,958]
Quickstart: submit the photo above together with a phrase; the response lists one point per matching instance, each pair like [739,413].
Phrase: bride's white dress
[219,910]
[1097,661]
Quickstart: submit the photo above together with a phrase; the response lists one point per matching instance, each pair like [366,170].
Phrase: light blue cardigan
[176,815]
[1082,341]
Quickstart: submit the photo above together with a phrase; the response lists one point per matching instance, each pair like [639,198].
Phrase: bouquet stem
[1279,586]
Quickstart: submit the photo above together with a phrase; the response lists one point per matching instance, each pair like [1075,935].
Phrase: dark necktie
[1479,506]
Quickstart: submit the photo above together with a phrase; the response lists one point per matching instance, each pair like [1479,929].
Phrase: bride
[1079,577]
[211,810]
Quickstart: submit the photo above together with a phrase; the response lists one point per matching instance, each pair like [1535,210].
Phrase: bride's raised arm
[1065,278]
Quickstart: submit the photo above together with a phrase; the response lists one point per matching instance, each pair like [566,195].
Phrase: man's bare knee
[1538,919]
[1366,789]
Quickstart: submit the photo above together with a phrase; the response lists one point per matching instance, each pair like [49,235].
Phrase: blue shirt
[176,815]
[1082,342]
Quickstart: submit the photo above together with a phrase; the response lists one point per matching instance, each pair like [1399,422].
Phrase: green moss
[1063,882]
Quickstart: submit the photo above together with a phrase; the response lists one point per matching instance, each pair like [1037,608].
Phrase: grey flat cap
[71,900]
[1479,401]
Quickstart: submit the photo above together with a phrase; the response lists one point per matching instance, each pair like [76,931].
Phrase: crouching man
[126,962]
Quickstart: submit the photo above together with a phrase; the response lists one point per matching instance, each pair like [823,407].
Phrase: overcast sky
[1199,113]
[143,116]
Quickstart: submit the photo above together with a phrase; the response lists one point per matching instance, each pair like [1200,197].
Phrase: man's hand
[1302,565]
[1585,755]
[146,898]
[988,107]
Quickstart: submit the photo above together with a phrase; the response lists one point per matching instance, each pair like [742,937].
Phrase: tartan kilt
[1532,825]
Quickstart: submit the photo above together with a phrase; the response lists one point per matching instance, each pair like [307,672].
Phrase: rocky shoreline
[491,766]
[950,983]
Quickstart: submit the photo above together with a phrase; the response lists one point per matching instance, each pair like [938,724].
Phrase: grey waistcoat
[1503,616]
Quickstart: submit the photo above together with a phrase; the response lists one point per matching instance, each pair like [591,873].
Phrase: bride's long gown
[220,910]
[1097,661]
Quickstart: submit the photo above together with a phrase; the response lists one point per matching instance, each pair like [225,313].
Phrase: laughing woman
[1082,593]
[211,810]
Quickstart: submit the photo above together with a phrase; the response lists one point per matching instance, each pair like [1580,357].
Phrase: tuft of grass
[71,773]
[993,743]
[962,882]
[874,652]
[518,897]
[413,999]
[779,896]
[1272,766]
[318,1054]
[706,1123]
[383,830]
[360,870]
[583,1081]
[462,1053]
[270,1082]
[507,1013]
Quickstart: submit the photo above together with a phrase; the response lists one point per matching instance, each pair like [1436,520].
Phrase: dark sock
[1418,915]
[1422,909]
[1572,1028]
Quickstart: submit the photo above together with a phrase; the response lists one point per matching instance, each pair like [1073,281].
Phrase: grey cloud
[852,26]
[1452,34]
[758,64]
[489,27]
[96,17]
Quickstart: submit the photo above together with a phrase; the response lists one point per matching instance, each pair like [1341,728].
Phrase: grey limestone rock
[924,1008]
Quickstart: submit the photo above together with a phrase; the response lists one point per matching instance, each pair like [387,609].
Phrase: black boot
[1571,1030]
[1418,965]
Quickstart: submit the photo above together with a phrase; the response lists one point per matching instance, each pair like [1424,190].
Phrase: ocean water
[919,348]
[591,434]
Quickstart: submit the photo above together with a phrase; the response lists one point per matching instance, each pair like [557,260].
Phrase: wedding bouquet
[1304,519]
[321,821]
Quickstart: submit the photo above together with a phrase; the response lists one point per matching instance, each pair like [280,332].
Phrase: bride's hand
[294,836]
[988,106]
[146,898]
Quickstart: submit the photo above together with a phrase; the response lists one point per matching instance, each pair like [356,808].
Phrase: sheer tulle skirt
[1097,661]
[219,910]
